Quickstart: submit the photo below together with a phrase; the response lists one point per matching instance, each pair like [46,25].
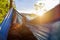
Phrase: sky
[28,5]
[25,5]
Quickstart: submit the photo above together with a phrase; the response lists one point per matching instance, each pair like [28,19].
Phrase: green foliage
[4,8]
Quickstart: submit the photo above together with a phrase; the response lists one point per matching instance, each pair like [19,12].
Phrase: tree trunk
[11,1]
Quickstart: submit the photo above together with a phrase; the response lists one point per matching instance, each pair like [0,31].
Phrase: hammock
[4,27]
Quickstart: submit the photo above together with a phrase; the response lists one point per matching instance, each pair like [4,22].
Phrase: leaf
[4,8]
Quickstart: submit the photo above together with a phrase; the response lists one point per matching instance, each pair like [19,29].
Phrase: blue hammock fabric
[4,27]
